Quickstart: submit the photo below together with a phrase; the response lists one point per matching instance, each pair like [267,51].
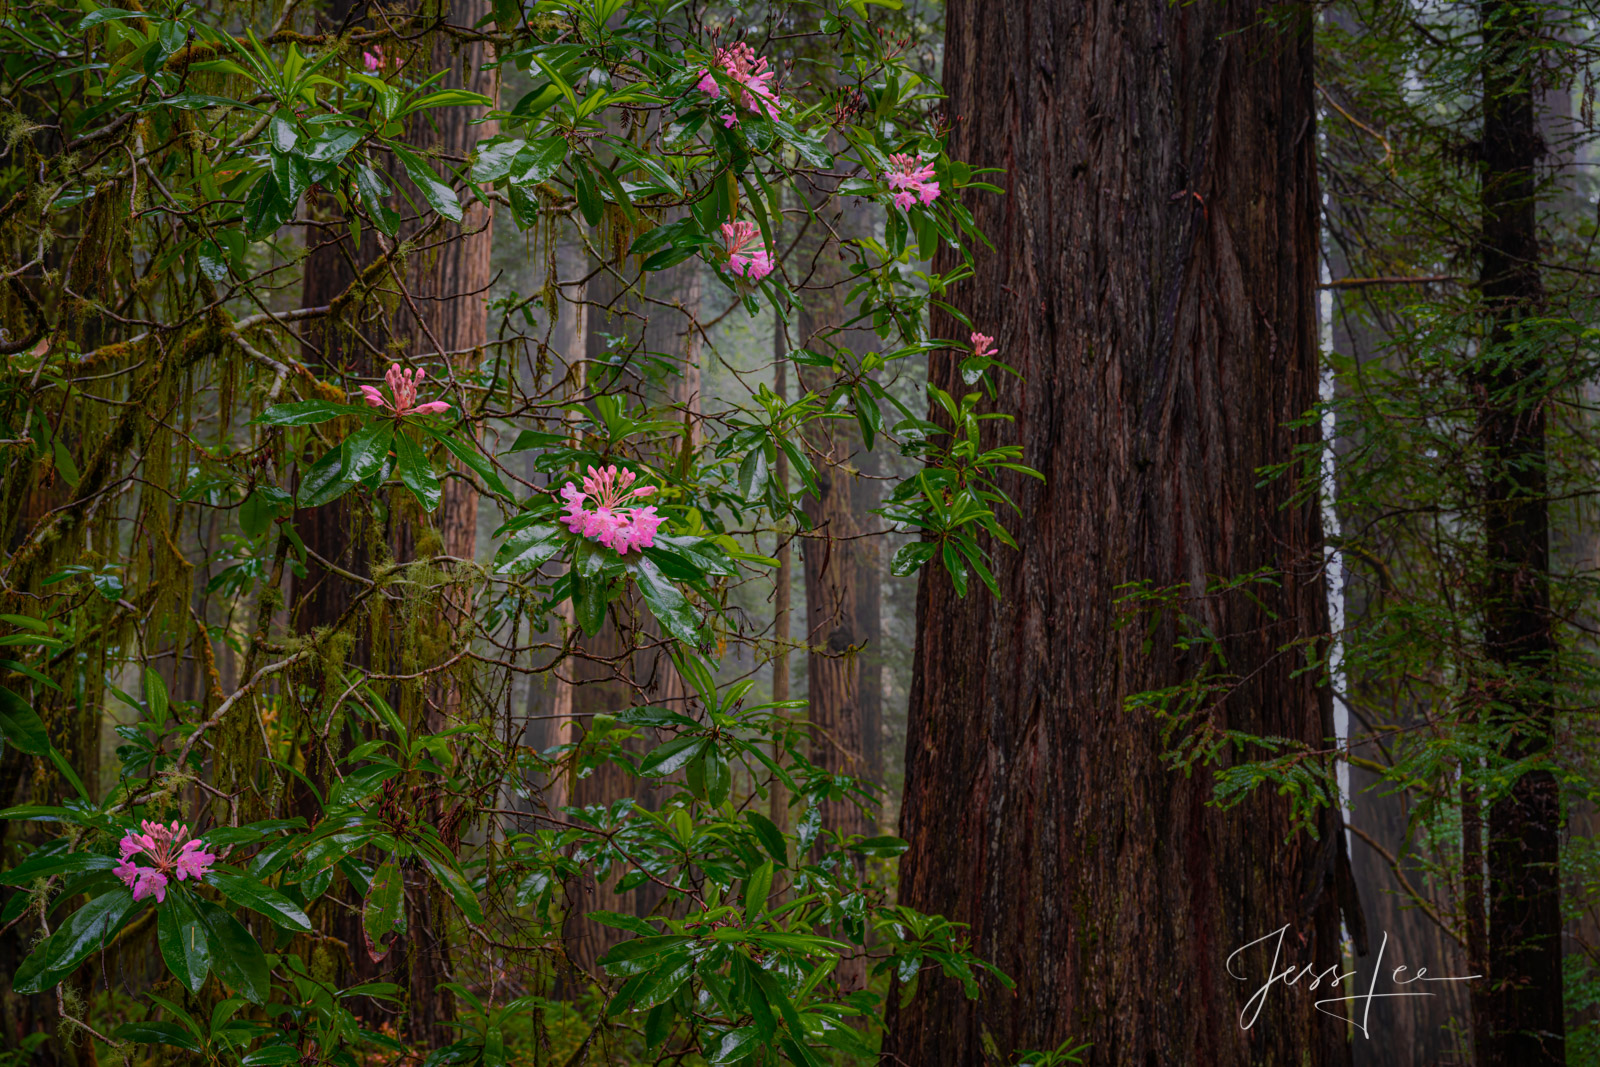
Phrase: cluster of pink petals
[912,180]
[373,60]
[169,851]
[403,385]
[752,264]
[599,512]
[982,345]
[749,71]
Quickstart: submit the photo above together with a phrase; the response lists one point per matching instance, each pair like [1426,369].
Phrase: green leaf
[53,863]
[365,451]
[250,893]
[455,883]
[416,473]
[670,607]
[868,416]
[494,160]
[305,413]
[283,134]
[663,982]
[530,548]
[212,263]
[108,14]
[531,888]
[257,512]
[235,955]
[658,1025]
[685,232]
[666,758]
[474,461]
[21,726]
[155,697]
[956,566]
[910,557]
[619,921]
[439,196]
[641,949]
[536,101]
[508,15]
[538,161]
[182,940]
[448,98]
[756,890]
[85,931]
[880,846]
[373,191]
[714,774]
[64,463]
[321,483]
[361,783]
[770,836]
[265,207]
[588,197]
[384,912]
[589,588]
[753,474]
[736,1045]
[158,1033]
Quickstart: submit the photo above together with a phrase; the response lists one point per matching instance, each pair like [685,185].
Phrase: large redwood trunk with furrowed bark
[1154,284]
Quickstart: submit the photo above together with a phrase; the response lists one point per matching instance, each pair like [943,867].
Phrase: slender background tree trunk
[1518,1011]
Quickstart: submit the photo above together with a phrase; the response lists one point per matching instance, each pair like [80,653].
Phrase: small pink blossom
[605,518]
[981,346]
[754,264]
[912,180]
[747,70]
[169,850]
[403,385]
[373,60]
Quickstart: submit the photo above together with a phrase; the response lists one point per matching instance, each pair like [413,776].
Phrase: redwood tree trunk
[1154,285]
[1518,1011]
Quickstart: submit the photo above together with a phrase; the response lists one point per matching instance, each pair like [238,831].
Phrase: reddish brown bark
[1154,285]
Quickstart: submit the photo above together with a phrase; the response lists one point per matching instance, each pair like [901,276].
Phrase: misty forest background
[973,705]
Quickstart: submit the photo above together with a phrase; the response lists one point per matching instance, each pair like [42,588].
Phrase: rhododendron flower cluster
[403,385]
[749,71]
[982,345]
[164,852]
[373,60]
[600,513]
[912,180]
[754,264]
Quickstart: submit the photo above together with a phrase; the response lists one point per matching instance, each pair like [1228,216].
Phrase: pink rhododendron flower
[403,385]
[981,345]
[754,264]
[599,513]
[162,852]
[750,73]
[912,181]
[373,60]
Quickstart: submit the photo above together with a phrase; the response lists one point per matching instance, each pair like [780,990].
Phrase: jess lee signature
[1290,976]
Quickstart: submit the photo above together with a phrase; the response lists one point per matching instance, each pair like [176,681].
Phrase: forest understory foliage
[386,783]
[498,497]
